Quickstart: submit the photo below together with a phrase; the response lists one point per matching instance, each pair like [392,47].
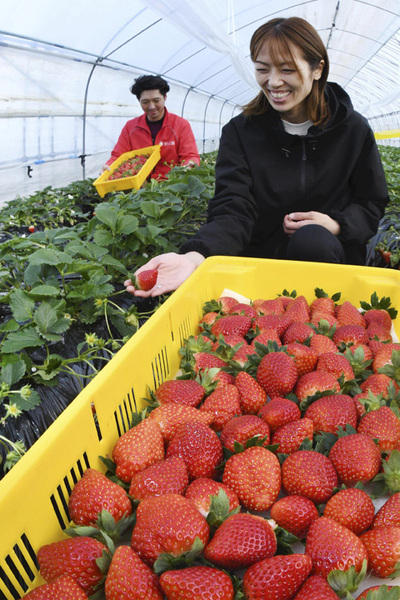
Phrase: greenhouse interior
[199,296]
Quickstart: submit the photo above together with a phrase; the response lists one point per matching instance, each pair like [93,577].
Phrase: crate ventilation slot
[123,414]
[59,499]
[185,331]
[21,568]
[160,367]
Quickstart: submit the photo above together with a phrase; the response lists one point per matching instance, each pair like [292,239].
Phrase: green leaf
[45,316]
[150,208]
[49,257]
[10,325]
[44,290]
[25,338]
[22,305]
[107,214]
[127,224]
[13,372]
[27,403]
[103,237]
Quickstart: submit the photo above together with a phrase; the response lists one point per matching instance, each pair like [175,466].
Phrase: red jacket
[175,137]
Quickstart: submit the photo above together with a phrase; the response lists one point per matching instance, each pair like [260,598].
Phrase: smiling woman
[298,173]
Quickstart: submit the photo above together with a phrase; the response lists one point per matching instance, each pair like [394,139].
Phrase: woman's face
[285,89]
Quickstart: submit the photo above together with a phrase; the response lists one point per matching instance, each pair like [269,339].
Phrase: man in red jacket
[157,126]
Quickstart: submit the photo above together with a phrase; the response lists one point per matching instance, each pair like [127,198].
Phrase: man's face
[152,102]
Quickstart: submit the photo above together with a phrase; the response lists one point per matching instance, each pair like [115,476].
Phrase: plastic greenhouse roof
[67,68]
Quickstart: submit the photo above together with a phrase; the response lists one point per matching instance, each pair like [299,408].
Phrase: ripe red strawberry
[207,360]
[277,578]
[231,339]
[196,583]
[380,316]
[170,417]
[323,304]
[129,578]
[224,404]
[383,356]
[331,412]
[316,588]
[355,457]
[352,508]
[298,310]
[252,397]
[383,547]
[295,514]
[241,356]
[243,309]
[167,524]
[297,332]
[271,306]
[75,557]
[145,280]
[348,335]
[226,303]
[278,412]
[383,425]
[310,474]
[304,357]
[229,324]
[169,476]
[243,428]
[368,354]
[64,588]
[347,314]
[207,319]
[278,322]
[389,513]
[277,374]
[316,381]
[289,437]
[93,493]
[200,447]
[379,383]
[332,546]
[201,491]
[267,335]
[317,319]
[255,476]
[138,448]
[242,540]
[322,343]
[336,364]
[378,332]
[180,391]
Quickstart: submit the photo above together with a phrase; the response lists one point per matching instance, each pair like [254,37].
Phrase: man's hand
[173,269]
[105,168]
[294,221]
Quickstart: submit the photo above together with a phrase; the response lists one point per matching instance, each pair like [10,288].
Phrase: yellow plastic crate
[34,494]
[103,185]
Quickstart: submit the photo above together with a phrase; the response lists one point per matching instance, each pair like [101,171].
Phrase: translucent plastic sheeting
[67,68]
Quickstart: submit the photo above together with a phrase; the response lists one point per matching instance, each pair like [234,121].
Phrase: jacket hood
[339,103]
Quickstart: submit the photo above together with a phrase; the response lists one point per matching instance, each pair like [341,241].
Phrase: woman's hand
[173,269]
[294,221]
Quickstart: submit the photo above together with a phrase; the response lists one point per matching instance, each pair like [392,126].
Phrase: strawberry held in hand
[145,280]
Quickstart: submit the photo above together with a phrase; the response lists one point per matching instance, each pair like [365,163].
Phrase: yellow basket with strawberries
[115,179]
[34,494]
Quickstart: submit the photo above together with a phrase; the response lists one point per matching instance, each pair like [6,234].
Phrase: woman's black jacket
[263,173]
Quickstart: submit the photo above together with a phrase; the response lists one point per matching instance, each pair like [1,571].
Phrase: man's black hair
[149,82]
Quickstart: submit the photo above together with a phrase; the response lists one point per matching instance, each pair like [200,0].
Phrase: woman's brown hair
[281,35]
